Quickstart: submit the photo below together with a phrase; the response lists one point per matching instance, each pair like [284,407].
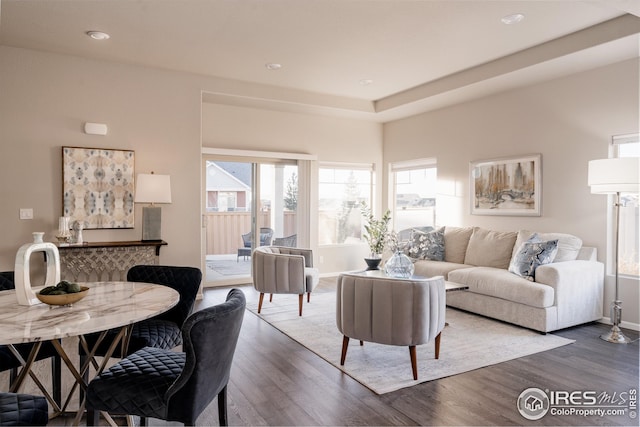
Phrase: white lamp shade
[614,175]
[152,188]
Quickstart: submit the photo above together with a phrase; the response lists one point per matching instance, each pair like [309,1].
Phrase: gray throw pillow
[426,245]
[532,254]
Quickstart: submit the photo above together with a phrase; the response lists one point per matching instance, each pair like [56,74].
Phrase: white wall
[569,121]
[45,100]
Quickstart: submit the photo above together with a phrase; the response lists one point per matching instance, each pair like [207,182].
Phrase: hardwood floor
[276,381]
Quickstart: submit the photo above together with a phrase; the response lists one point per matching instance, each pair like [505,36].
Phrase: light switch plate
[26,213]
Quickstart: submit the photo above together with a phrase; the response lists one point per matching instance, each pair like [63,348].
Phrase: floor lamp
[615,176]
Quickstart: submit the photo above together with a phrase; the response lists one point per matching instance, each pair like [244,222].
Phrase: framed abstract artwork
[506,186]
[98,187]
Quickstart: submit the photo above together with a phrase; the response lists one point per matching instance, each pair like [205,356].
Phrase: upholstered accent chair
[404,312]
[283,270]
[162,331]
[175,386]
[23,410]
[8,360]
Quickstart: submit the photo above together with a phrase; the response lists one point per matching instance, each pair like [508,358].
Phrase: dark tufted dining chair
[23,410]
[162,331]
[9,362]
[175,386]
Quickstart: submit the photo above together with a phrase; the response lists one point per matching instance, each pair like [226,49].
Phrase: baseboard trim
[623,324]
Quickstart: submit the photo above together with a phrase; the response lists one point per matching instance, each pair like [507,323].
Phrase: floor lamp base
[616,336]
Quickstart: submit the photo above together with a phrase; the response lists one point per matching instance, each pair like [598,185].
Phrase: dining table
[108,306]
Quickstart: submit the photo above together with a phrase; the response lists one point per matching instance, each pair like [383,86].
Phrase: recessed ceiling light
[512,19]
[273,66]
[365,82]
[98,35]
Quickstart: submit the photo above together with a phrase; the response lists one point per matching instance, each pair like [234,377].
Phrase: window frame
[404,166]
[614,152]
[368,167]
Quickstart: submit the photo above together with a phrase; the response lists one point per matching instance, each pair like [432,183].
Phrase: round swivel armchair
[404,312]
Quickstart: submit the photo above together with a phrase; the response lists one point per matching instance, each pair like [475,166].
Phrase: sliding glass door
[247,203]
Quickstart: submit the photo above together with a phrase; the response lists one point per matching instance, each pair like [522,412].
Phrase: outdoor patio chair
[289,241]
[266,234]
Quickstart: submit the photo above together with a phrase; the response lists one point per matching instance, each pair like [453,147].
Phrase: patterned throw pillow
[532,254]
[426,245]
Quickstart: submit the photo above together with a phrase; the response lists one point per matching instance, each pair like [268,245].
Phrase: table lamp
[152,188]
[615,176]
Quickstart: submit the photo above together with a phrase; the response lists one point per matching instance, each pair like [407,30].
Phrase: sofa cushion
[532,254]
[436,268]
[456,240]
[428,245]
[502,284]
[490,248]
[568,244]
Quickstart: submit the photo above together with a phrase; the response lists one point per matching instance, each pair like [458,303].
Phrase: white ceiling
[420,54]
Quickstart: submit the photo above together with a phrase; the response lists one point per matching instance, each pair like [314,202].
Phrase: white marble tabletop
[107,305]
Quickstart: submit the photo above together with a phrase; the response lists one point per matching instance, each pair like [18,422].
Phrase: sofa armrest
[578,287]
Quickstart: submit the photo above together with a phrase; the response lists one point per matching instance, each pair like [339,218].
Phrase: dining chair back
[170,385]
[162,331]
[185,280]
[23,410]
[7,280]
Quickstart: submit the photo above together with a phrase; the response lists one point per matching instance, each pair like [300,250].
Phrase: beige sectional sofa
[566,292]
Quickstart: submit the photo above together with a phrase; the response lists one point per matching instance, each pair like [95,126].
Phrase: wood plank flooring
[276,381]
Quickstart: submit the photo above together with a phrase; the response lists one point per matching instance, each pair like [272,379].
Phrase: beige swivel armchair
[284,270]
[405,312]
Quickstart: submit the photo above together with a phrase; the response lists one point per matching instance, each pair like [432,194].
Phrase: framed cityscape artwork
[506,186]
[98,187]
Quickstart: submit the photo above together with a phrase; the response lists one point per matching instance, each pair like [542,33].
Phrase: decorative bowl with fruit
[64,293]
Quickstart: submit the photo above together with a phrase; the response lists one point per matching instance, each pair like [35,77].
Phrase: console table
[106,261]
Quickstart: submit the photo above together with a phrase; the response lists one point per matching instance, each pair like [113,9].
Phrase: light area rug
[469,342]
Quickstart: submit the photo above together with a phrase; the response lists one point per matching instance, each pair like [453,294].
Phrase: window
[414,193]
[341,190]
[629,264]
